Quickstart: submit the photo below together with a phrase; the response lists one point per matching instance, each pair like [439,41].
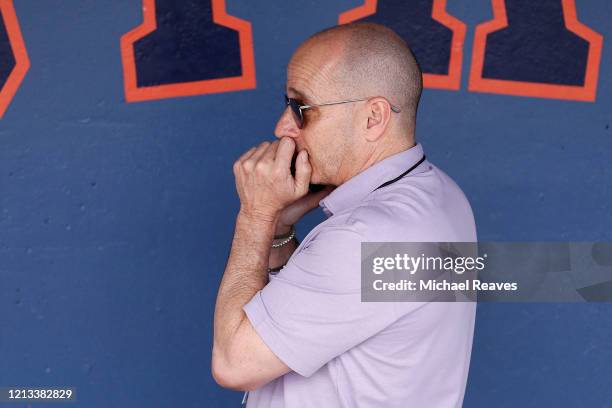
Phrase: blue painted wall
[116,218]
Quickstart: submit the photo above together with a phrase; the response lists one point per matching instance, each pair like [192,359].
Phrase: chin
[316,179]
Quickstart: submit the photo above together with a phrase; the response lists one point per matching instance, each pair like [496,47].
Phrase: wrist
[282,229]
[259,217]
[282,240]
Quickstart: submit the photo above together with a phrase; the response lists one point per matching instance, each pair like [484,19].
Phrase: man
[301,337]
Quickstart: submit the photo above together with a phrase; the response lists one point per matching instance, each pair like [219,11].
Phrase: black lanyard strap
[401,175]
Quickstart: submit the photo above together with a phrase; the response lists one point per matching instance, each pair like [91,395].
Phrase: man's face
[326,131]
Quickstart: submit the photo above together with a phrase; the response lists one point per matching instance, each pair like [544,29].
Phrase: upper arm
[248,363]
[308,314]
[311,311]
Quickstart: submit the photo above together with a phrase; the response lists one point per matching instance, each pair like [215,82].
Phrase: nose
[286,125]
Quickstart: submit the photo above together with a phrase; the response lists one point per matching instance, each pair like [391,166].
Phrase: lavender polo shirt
[345,353]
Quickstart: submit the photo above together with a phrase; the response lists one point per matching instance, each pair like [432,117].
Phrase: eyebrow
[301,95]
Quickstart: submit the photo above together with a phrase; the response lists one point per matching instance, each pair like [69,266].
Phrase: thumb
[302,173]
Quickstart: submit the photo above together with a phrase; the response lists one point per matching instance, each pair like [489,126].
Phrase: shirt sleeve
[311,311]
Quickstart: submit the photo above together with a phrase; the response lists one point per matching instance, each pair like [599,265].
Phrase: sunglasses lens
[295,108]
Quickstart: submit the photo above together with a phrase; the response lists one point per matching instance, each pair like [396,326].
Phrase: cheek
[324,141]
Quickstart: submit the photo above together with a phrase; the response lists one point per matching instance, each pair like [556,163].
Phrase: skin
[336,143]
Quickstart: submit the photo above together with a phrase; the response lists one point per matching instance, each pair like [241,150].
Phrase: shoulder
[428,206]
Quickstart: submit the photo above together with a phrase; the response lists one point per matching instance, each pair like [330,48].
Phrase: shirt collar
[359,186]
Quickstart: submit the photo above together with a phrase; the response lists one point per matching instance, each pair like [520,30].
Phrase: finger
[303,171]
[271,151]
[284,153]
[261,149]
[247,154]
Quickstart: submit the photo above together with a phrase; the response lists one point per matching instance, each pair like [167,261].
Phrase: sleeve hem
[263,325]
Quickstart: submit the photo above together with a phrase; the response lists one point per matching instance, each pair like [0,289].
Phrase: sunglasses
[298,108]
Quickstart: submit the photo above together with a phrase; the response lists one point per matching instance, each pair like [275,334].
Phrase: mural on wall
[435,37]
[187,48]
[535,49]
[14,61]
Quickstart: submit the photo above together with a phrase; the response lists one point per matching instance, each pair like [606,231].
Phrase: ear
[378,116]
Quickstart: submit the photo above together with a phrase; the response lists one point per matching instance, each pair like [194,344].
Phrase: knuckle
[246,154]
[247,165]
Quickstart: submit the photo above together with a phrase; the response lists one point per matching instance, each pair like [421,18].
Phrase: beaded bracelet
[279,241]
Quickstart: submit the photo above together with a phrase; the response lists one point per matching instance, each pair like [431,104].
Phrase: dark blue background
[116,218]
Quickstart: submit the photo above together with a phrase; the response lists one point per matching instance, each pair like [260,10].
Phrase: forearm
[245,274]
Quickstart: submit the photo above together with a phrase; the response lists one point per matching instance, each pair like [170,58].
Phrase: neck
[378,154]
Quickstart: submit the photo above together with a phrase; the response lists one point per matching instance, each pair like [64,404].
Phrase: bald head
[367,59]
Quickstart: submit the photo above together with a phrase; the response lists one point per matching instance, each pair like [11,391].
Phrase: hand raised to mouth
[313,188]
[264,181]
